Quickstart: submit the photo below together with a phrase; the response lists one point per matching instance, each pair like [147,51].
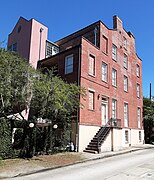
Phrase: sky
[64,17]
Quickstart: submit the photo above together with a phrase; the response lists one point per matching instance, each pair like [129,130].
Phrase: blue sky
[64,17]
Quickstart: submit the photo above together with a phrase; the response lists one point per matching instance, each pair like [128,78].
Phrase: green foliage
[148,120]
[54,99]
[48,97]
[16,78]
[6,150]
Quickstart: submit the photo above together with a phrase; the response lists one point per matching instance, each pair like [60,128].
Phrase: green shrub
[6,150]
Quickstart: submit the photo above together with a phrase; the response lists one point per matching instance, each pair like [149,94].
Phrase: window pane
[104,72]
[125,61]
[91,100]
[137,70]
[69,64]
[138,90]
[126,114]
[125,43]
[114,109]
[92,65]
[114,52]
[114,77]
[125,83]
[139,117]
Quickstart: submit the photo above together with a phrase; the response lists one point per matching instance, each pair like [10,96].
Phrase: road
[136,165]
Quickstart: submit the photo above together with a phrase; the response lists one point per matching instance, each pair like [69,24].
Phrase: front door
[104,110]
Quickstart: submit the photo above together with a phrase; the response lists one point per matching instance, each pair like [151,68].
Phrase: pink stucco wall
[28,39]
[38,40]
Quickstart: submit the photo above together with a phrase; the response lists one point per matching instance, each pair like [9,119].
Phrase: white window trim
[114,53]
[137,70]
[139,117]
[115,108]
[138,90]
[125,61]
[126,117]
[91,109]
[94,73]
[125,43]
[106,73]
[125,83]
[114,80]
[66,58]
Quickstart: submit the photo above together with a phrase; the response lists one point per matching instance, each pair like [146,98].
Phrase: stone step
[91,151]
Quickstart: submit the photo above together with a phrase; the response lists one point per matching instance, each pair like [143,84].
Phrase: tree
[56,101]
[16,78]
[148,120]
[47,96]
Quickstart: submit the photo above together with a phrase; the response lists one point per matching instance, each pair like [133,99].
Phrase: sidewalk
[45,163]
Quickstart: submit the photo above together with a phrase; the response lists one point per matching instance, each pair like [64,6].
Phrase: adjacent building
[102,60]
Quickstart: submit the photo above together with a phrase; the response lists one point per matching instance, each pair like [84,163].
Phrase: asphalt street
[134,165]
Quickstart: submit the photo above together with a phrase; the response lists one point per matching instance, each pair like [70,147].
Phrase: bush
[6,150]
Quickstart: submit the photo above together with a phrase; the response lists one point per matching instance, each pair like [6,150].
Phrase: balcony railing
[114,122]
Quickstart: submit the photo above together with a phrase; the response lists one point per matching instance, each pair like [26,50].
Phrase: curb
[77,162]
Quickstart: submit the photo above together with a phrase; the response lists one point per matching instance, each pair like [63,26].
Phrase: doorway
[104,111]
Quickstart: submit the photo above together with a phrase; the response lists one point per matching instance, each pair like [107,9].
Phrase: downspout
[41,29]
[77,120]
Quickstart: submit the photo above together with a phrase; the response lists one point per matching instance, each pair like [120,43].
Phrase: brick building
[104,61]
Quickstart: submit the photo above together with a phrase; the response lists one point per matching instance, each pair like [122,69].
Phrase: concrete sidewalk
[86,157]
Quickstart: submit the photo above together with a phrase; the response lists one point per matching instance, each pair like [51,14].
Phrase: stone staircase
[98,139]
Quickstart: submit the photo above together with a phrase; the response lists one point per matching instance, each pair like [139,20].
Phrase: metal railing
[111,123]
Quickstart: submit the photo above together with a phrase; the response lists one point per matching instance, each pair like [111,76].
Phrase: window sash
[125,61]
[69,64]
[125,43]
[114,109]
[114,77]
[114,52]
[91,100]
[139,117]
[126,114]
[104,72]
[125,83]
[126,137]
[91,65]
[138,70]
[138,90]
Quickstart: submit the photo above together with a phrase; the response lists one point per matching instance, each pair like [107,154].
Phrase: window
[138,90]
[125,43]
[125,83]
[140,136]
[91,65]
[104,72]
[125,114]
[114,52]
[91,100]
[9,48]
[126,137]
[13,47]
[137,70]
[114,108]
[139,117]
[68,64]
[125,61]
[105,45]
[114,77]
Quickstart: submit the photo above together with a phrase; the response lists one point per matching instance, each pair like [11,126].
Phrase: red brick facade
[81,45]
[97,41]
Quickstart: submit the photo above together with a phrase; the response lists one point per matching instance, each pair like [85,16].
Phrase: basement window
[126,137]
[140,137]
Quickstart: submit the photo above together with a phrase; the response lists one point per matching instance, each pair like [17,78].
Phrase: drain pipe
[77,119]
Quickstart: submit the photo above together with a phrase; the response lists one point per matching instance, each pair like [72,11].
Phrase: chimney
[117,23]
